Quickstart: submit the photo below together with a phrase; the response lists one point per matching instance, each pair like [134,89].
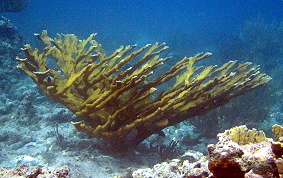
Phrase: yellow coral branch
[114,101]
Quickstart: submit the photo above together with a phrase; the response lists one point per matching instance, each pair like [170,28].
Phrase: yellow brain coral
[242,135]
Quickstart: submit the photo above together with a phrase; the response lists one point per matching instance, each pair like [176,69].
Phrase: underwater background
[37,132]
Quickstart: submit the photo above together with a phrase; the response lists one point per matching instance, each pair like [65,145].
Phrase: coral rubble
[25,171]
[117,103]
[191,165]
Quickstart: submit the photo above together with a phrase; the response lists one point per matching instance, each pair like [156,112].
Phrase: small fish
[160,133]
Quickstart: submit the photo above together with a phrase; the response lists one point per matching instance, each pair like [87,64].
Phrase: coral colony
[117,103]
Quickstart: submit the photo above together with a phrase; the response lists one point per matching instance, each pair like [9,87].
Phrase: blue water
[143,21]
[243,30]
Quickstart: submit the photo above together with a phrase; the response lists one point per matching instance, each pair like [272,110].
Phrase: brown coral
[115,103]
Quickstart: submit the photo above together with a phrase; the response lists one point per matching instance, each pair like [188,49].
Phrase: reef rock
[239,153]
[38,172]
[229,158]
[10,44]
